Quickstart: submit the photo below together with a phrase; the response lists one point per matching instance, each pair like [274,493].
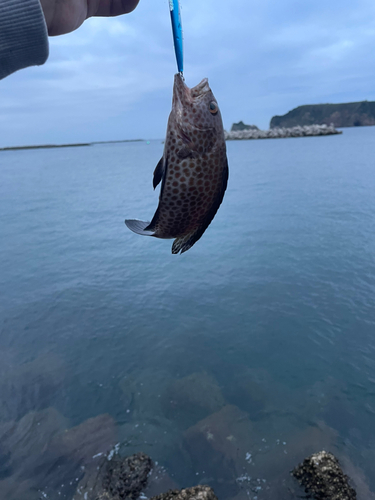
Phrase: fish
[193,170]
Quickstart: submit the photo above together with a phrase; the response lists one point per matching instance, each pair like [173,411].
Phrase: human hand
[64,16]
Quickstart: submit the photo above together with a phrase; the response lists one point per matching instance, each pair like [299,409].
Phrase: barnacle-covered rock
[323,478]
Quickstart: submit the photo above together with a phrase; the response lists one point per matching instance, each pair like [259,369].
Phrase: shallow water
[271,312]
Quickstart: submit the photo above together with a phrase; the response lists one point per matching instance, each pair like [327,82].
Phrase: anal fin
[183,243]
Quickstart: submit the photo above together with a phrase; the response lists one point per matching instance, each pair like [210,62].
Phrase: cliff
[351,114]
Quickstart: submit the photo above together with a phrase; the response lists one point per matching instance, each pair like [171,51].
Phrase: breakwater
[280,133]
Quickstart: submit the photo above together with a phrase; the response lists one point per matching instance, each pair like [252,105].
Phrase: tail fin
[139,227]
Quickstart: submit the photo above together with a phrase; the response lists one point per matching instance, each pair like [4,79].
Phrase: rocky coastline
[282,133]
[130,478]
[188,440]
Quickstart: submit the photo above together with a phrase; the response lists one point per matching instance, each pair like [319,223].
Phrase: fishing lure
[174,8]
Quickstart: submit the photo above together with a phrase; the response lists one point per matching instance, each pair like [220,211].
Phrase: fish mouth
[200,89]
[183,94]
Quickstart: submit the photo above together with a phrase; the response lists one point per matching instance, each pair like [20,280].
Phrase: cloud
[112,78]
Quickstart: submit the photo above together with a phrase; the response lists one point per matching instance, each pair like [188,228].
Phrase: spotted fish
[193,170]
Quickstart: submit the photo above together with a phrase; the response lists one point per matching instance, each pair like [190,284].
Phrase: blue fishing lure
[174,7]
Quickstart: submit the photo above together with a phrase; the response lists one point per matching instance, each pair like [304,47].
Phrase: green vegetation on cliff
[351,114]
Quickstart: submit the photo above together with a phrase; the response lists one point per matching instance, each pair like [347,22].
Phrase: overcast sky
[112,78]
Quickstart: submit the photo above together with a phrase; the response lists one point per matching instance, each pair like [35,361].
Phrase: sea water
[271,314]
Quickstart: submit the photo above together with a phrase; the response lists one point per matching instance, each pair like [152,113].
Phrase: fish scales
[193,170]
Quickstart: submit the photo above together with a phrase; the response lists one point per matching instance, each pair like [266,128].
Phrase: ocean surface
[228,364]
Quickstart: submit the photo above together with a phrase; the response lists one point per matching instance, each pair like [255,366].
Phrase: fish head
[196,112]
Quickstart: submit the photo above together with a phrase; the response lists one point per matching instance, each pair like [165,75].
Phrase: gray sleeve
[23,35]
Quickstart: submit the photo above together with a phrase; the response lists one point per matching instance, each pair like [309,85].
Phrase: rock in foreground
[117,479]
[194,493]
[125,478]
[323,478]
[281,133]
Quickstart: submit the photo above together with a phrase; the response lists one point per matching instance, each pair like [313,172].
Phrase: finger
[115,7]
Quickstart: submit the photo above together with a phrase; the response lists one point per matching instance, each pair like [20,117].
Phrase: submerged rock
[156,436]
[194,493]
[41,457]
[323,478]
[192,398]
[30,386]
[249,394]
[219,447]
[81,443]
[24,456]
[159,481]
[228,452]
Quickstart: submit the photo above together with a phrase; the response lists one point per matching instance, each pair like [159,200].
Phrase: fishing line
[174,7]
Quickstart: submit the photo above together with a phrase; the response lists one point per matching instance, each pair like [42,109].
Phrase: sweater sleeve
[23,35]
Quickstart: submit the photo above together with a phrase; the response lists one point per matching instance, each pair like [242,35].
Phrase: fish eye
[213,107]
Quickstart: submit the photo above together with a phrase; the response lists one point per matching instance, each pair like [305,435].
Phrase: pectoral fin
[185,152]
[158,172]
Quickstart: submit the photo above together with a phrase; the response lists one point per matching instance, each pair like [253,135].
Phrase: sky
[112,78]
